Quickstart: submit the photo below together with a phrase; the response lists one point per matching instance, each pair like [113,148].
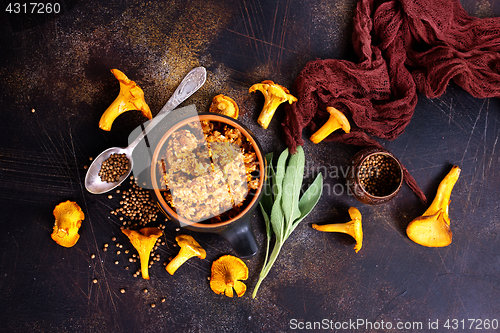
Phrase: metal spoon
[190,84]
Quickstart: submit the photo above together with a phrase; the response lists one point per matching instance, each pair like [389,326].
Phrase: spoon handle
[189,85]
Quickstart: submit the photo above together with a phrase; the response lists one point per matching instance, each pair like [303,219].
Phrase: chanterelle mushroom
[189,248]
[353,227]
[337,120]
[131,97]
[224,105]
[143,241]
[226,273]
[69,218]
[274,95]
[432,229]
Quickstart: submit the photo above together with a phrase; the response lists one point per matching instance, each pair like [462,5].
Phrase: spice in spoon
[115,166]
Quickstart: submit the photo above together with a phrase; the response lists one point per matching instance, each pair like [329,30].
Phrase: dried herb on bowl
[281,206]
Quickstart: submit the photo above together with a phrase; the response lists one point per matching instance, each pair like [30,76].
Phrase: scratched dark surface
[59,65]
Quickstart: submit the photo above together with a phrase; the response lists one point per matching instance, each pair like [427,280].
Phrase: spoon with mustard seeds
[93,182]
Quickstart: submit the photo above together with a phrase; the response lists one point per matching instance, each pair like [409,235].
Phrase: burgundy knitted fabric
[404,46]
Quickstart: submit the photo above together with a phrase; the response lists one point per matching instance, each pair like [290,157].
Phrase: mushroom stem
[189,248]
[180,259]
[144,258]
[442,199]
[346,228]
[336,121]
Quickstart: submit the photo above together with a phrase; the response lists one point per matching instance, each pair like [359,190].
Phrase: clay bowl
[237,229]
[375,176]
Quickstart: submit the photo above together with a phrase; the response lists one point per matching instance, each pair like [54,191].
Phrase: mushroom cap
[340,117]
[68,221]
[269,88]
[144,239]
[430,230]
[187,242]
[224,105]
[226,273]
[356,218]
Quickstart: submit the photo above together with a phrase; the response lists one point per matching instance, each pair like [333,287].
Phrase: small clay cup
[354,178]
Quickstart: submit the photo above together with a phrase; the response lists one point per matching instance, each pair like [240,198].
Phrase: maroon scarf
[404,46]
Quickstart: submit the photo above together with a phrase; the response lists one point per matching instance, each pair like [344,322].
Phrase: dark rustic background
[58,65]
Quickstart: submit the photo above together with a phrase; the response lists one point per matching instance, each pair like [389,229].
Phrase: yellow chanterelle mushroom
[224,105]
[130,97]
[189,248]
[432,229]
[336,121]
[227,271]
[274,95]
[353,227]
[69,218]
[143,241]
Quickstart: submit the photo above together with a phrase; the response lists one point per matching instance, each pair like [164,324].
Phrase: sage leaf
[294,206]
[267,198]
[309,200]
[292,183]
[268,230]
[277,218]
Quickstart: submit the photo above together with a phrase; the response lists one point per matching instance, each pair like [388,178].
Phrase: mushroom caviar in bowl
[208,173]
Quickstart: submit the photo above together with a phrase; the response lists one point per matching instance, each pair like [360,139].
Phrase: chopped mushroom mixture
[206,170]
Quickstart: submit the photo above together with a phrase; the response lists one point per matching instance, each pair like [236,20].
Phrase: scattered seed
[92,256]
[153,305]
[94,280]
[122,290]
[110,196]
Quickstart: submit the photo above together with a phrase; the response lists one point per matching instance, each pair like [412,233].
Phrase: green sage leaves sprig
[282,206]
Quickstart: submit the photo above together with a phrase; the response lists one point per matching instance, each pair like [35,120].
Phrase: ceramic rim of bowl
[396,189]
[212,117]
